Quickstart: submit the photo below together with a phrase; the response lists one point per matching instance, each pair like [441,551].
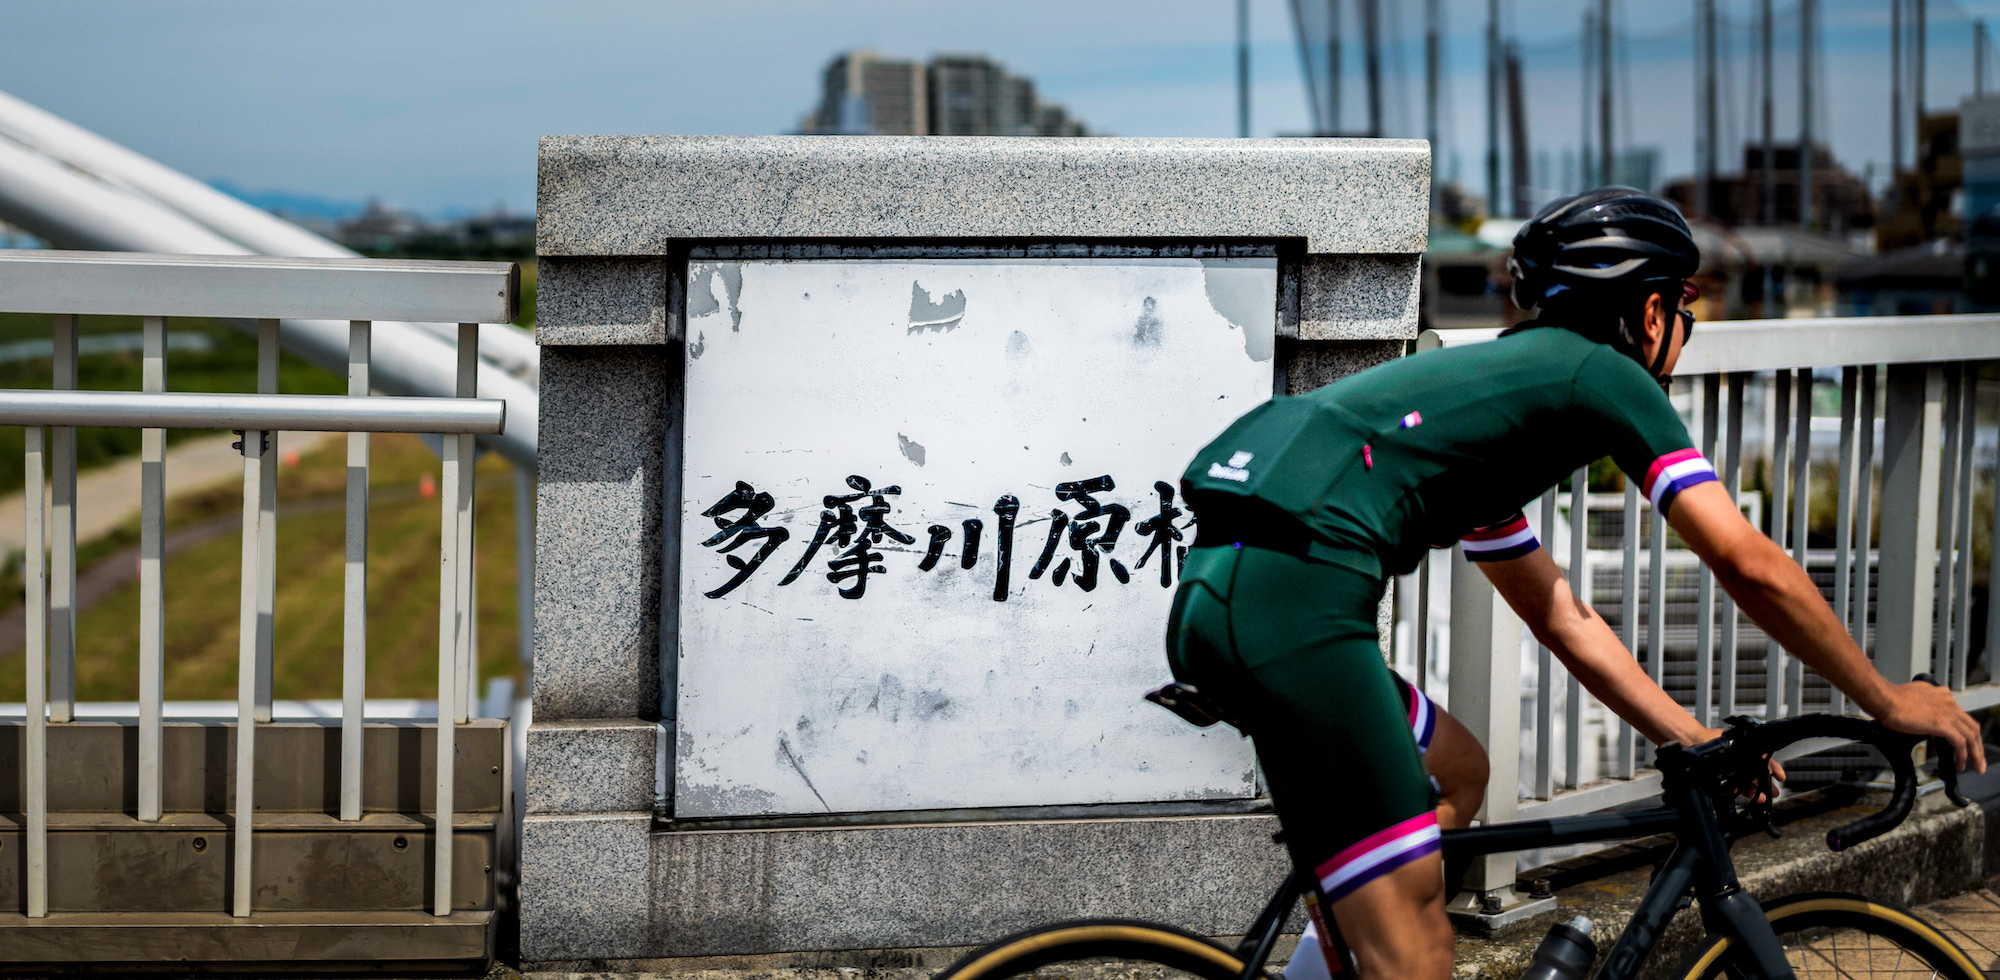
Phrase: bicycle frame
[1698,867]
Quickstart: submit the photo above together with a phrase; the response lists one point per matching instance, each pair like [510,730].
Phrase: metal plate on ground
[853,427]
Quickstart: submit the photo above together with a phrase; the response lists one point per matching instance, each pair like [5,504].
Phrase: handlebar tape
[1768,738]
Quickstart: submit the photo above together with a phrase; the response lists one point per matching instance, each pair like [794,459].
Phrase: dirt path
[108,497]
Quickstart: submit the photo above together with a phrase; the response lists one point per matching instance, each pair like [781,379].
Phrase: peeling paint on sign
[876,671]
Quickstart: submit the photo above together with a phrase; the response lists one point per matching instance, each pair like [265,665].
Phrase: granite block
[632,195]
[1359,297]
[585,890]
[717,893]
[601,300]
[1313,364]
[606,413]
[602,765]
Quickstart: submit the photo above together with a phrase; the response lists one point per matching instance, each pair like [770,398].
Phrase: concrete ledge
[632,195]
[717,893]
[601,300]
[901,889]
[592,766]
[1311,364]
[1359,297]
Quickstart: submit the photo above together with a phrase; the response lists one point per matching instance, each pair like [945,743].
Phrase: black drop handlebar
[1747,744]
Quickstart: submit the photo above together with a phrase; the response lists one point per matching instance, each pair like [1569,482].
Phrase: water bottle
[1565,953]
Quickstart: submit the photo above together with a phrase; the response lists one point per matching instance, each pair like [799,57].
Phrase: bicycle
[1797,937]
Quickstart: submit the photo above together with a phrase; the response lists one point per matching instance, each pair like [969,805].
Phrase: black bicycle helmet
[1584,259]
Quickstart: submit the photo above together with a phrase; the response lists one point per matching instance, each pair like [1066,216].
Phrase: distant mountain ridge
[293,204]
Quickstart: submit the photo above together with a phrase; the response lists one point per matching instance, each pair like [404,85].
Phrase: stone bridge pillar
[858,525]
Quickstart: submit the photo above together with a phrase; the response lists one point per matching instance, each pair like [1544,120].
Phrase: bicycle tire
[1083,939]
[1833,934]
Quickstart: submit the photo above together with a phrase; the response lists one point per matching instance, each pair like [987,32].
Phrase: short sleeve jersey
[1451,444]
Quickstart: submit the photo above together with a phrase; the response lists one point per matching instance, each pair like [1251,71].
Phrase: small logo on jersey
[1413,420]
[1233,470]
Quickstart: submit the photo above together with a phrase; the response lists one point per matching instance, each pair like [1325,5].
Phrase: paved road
[1972,920]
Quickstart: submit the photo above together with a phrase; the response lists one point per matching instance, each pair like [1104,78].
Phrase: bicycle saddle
[1194,707]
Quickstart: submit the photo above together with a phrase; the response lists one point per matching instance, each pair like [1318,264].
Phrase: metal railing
[154,287]
[1899,574]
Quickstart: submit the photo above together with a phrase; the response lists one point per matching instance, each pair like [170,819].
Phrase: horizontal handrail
[257,287]
[1770,345]
[310,413]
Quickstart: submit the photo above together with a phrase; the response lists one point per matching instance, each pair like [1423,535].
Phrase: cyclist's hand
[1918,708]
[1753,793]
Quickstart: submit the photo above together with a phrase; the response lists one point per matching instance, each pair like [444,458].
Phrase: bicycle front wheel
[1833,936]
[1077,948]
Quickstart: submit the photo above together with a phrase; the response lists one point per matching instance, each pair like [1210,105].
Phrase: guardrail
[155,287]
[1904,593]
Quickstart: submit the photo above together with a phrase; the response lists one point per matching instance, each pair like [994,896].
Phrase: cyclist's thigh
[1333,733]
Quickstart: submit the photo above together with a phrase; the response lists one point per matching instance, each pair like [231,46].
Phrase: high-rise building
[862,93]
[955,95]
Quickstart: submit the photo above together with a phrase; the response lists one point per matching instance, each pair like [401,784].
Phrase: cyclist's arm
[1537,591]
[1778,595]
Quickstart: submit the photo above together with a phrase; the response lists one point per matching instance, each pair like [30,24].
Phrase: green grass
[202,588]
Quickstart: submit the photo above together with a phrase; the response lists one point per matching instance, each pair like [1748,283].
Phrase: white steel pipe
[311,413]
[71,210]
[65,206]
[176,194]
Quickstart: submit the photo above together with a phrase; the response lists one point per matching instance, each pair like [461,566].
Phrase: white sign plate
[885,404]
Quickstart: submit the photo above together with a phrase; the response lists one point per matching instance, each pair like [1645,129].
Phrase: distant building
[1925,204]
[1979,149]
[381,230]
[862,93]
[1840,199]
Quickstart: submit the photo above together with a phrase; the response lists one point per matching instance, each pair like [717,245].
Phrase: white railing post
[62,536]
[1843,521]
[1960,637]
[454,600]
[1545,677]
[1732,482]
[1486,696]
[1709,408]
[354,618]
[468,462]
[1584,589]
[1911,428]
[1781,409]
[152,554]
[1801,512]
[1864,505]
[267,522]
[1628,614]
[248,649]
[35,787]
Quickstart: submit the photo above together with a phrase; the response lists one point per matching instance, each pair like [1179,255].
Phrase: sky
[436,106]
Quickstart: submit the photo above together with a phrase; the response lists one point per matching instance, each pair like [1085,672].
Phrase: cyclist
[1308,503]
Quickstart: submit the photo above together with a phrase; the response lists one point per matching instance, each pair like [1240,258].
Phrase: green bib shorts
[1288,645]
